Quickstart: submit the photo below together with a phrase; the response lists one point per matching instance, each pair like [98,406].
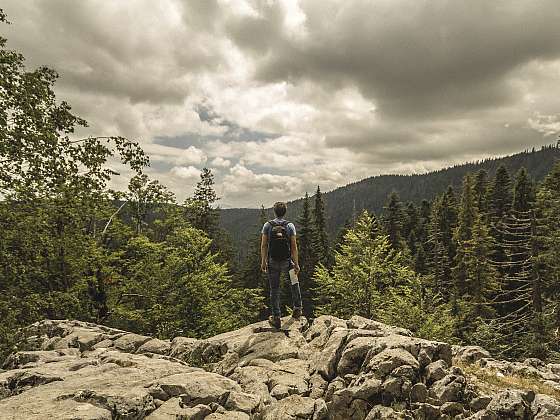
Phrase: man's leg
[274,284]
[296,293]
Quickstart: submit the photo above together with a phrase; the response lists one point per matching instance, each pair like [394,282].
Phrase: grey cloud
[425,59]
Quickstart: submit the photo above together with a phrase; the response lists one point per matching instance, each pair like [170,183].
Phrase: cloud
[279,96]
[220,162]
[188,172]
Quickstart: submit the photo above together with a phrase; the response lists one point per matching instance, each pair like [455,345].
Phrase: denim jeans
[275,270]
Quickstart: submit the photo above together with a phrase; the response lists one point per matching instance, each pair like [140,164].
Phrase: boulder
[512,404]
[436,371]
[545,407]
[470,354]
[155,345]
[448,389]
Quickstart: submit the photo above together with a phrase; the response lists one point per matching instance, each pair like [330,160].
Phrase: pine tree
[321,242]
[463,234]
[393,220]
[307,256]
[439,260]
[200,210]
[500,194]
[410,227]
[499,207]
[481,192]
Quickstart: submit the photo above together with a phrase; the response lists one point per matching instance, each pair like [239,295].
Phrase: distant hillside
[371,193]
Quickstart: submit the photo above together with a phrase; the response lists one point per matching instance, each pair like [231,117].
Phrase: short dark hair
[279,208]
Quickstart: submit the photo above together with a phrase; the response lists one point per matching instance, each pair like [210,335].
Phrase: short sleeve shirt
[289,227]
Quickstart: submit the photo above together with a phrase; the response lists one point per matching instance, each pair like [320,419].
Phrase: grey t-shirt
[289,227]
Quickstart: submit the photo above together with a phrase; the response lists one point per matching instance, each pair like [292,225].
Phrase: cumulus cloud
[280,96]
[220,162]
[185,172]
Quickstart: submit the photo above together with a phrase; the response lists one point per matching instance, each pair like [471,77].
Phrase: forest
[479,264]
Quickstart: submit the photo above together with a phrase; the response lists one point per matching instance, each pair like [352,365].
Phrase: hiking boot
[296,313]
[274,321]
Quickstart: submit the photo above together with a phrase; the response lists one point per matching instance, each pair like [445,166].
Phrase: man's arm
[264,252]
[294,250]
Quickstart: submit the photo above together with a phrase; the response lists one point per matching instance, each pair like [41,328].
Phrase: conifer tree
[307,256]
[439,261]
[200,209]
[499,207]
[321,242]
[393,219]
[468,212]
[481,192]
[411,226]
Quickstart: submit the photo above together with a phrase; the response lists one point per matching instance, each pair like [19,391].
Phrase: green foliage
[178,288]
[371,279]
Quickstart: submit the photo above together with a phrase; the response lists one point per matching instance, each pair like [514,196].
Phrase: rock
[290,408]
[229,415]
[103,344]
[381,412]
[334,369]
[155,346]
[426,411]
[545,407]
[512,404]
[480,402]
[388,360]
[241,401]
[196,387]
[470,354]
[436,371]
[130,342]
[448,389]
[181,347]
[418,392]
[358,322]
[318,386]
[452,408]
[354,355]
[328,358]
[173,409]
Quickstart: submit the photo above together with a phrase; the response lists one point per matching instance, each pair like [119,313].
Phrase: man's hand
[296,269]
[264,266]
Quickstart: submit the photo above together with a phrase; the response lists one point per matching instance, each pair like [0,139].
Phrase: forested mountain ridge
[371,193]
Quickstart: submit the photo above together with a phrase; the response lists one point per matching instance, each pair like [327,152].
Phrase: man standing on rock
[279,254]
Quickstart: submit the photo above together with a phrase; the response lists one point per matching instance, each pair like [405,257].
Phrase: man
[279,254]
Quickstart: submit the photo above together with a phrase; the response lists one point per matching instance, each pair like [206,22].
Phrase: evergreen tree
[321,243]
[411,226]
[200,210]
[500,194]
[307,256]
[481,192]
[468,212]
[371,279]
[393,219]
[499,207]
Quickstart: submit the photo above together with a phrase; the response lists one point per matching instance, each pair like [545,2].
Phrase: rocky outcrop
[329,369]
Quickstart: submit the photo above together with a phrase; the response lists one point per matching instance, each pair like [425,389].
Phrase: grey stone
[545,407]
[155,345]
[418,392]
[470,354]
[512,404]
[448,389]
[436,371]
[480,402]
[130,342]
[452,408]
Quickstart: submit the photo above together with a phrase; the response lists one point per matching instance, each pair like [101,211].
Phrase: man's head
[279,209]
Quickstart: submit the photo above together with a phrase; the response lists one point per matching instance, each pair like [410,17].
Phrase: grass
[488,381]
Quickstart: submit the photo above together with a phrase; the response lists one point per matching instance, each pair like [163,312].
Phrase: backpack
[279,241]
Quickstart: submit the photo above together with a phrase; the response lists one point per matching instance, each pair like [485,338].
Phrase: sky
[277,97]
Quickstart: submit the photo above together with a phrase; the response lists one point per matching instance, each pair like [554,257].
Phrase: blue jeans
[275,270]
